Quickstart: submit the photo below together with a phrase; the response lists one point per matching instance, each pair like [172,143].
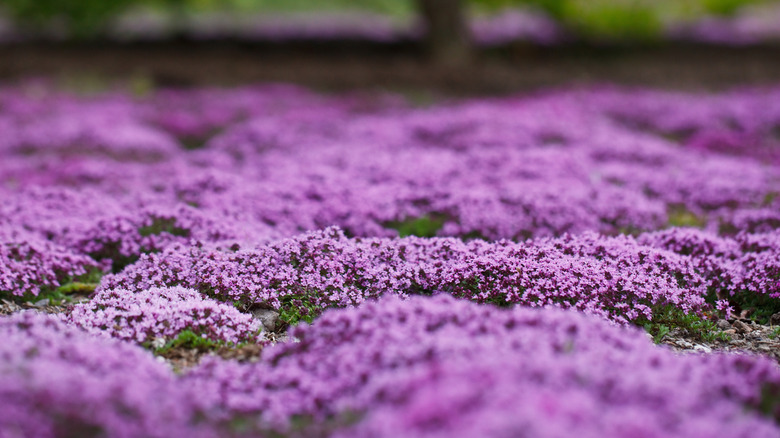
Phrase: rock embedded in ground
[269,318]
[741,327]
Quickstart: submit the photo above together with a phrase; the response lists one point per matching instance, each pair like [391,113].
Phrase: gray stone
[684,344]
[269,318]
[742,327]
[723,324]
[158,343]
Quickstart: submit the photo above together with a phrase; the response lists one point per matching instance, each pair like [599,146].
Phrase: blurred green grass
[637,19]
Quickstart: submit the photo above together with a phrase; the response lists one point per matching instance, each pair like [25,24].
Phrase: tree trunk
[448,37]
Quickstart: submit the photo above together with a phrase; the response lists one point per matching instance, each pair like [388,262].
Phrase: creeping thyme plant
[475,268]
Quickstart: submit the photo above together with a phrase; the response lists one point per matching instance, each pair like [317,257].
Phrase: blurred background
[486,46]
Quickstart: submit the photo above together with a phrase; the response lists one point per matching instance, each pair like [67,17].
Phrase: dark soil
[742,335]
[182,359]
[350,65]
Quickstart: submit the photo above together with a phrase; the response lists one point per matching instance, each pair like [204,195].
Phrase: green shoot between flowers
[186,339]
[297,308]
[668,318]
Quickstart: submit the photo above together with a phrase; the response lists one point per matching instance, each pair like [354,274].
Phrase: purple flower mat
[401,232]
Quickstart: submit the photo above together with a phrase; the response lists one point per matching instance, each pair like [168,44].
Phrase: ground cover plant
[482,267]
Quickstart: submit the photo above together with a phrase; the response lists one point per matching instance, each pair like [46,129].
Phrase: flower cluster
[443,367]
[741,123]
[30,264]
[610,276]
[413,367]
[59,381]
[745,264]
[162,313]
[270,162]
[94,223]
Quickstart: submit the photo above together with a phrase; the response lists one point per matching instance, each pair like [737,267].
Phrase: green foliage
[390,7]
[634,20]
[775,333]
[555,8]
[607,19]
[85,18]
[679,216]
[299,307]
[187,339]
[163,225]
[499,300]
[657,331]
[670,317]
[81,17]
[79,285]
[760,306]
[596,19]
[769,198]
[423,226]
[55,297]
[769,403]
[77,288]
[725,7]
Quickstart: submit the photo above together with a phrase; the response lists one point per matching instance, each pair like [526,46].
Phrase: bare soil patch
[350,65]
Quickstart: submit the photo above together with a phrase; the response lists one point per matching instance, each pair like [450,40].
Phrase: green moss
[80,285]
[77,288]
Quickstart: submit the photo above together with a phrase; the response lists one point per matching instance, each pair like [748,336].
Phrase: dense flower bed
[417,367]
[440,367]
[611,277]
[200,207]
